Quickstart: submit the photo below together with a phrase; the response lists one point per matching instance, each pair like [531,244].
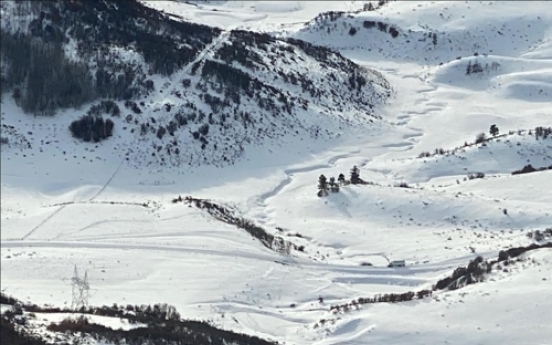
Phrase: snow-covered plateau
[205,196]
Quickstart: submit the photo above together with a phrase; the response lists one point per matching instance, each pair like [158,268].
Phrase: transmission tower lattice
[81,289]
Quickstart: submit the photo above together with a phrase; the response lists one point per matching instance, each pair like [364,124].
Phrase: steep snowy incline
[207,99]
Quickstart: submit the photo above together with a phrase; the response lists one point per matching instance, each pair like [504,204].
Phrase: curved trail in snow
[365,273]
[406,144]
[261,199]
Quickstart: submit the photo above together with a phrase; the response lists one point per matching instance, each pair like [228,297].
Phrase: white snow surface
[65,203]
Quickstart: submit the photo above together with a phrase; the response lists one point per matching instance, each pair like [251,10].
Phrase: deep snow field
[65,203]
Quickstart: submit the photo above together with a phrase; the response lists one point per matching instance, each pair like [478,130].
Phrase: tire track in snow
[109,180]
[43,222]
[365,272]
[139,247]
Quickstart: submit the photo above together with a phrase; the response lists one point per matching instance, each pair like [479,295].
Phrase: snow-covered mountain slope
[436,32]
[501,155]
[211,95]
[429,199]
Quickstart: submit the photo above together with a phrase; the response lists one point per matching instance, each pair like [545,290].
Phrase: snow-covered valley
[432,197]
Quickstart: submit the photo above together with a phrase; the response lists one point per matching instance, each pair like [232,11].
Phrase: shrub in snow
[133,106]
[476,175]
[480,138]
[402,185]
[161,132]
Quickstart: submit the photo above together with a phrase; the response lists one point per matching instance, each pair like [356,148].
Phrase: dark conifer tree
[334,187]
[341,179]
[355,175]
[493,130]
[322,186]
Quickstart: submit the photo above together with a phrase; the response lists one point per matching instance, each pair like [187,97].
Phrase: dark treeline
[227,215]
[478,268]
[476,271]
[381,298]
[164,326]
[41,77]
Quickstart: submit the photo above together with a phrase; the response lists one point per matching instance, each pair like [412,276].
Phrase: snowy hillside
[435,33]
[438,115]
[207,98]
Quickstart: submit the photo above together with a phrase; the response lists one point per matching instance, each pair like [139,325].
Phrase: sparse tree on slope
[341,179]
[322,186]
[493,130]
[334,187]
[355,175]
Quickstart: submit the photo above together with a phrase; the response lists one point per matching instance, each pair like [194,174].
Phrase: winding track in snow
[366,272]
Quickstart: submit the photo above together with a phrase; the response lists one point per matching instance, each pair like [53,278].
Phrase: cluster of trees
[91,128]
[382,298]
[325,186]
[41,78]
[226,215]
[381,26]
[479,139]
[529,169]
[370,7]
[511,253]
[477,67]
[473,273]
[236,83]
[10,333]
[105,107]
[478,268]
[165,44]
[543,132]
[482,137]
[163,323]
[540,235]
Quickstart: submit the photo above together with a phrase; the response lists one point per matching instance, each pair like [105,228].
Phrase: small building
[397,263]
